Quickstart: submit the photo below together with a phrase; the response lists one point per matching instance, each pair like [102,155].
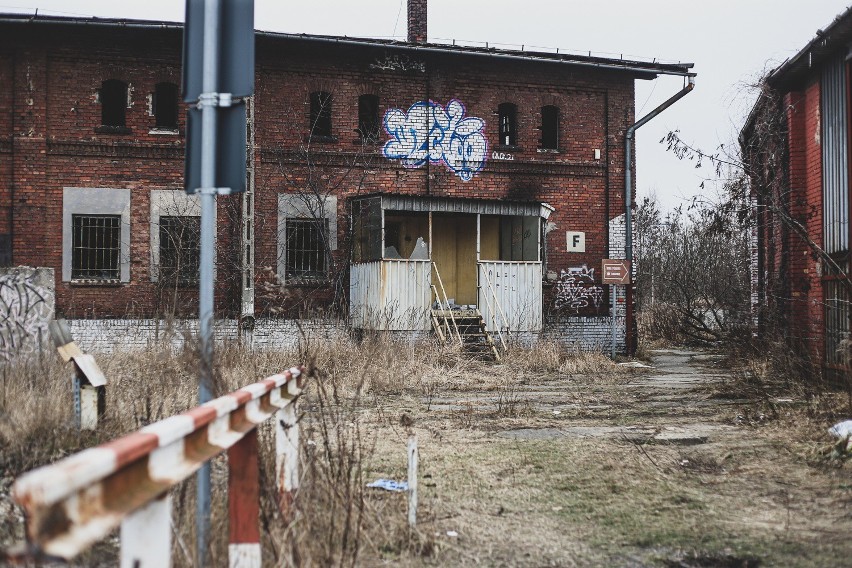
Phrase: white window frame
[95,201]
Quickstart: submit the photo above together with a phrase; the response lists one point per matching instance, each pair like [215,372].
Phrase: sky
[731,42]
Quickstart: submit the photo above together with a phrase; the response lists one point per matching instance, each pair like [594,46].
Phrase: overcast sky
[731,43]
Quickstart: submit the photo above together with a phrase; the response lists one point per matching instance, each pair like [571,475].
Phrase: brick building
[374,168]
[796,149]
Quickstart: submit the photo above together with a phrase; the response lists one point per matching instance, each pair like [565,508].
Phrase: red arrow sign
[615,271]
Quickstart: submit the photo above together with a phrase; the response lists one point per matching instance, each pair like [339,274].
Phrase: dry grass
[770,491]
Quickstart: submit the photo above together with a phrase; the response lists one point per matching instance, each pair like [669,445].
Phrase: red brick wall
[56,76]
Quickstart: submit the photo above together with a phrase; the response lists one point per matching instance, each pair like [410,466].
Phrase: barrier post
[244,503]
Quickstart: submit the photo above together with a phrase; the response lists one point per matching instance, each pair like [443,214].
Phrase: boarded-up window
[519,238]
[367,216]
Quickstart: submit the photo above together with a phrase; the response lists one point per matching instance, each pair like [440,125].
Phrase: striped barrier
[79,500]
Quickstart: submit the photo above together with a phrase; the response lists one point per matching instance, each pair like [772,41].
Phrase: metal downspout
[628,200]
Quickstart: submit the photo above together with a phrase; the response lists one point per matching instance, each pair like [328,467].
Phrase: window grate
[96,246]
[305,248]
[180,248]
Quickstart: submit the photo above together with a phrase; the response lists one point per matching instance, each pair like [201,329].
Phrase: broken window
[305,250]
[367,217]
[180,248]
[113,97]
[508,120]
[368,118]
[519,238]
[320,125]
[96,247]
[165,106]
[549,127]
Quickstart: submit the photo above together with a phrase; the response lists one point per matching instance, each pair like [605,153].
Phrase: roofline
[644,69]
[826,42]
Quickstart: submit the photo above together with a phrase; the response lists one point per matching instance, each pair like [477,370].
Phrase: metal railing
[492,312]
[445,306]
[79,500]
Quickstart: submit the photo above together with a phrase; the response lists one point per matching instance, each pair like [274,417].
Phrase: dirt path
[639,467]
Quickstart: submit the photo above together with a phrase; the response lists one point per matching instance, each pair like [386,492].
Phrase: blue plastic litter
[389,485]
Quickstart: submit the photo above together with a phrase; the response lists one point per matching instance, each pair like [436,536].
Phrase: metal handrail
[446,303]
[77,501]
[499,308]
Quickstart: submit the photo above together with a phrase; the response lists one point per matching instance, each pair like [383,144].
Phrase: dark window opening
[321,114]
[305,248]
[180,248]
[549,128]
[508,115]
[95,247]
[113,96]
[165,105]
[368,118]
[5,250]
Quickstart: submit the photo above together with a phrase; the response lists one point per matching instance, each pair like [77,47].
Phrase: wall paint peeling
[576,289]
[431,132]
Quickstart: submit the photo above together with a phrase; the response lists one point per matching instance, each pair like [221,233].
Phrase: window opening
[321,114]
[180,248]
[368,118]
[166,105]
[113,97]
[549,128]
[305,248]
[96,246]
[508,124]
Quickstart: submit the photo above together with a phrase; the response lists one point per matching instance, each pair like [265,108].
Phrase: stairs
[468,328]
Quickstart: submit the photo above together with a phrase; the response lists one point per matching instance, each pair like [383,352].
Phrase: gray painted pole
[612,292]
[208,100]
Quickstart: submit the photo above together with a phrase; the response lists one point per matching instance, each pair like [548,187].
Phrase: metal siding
[445,205]
[518,289]
[835,181]
[390,295]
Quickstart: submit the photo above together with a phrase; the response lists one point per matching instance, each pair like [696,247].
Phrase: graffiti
[26,308]
[397,63]
[502,156]
[431,132]
[576,289]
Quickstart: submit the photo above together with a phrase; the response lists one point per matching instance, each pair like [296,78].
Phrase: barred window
[180,248]
[96,247]
[305,248]
[508,120]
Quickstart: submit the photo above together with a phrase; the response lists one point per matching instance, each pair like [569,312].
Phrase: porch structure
[421,262]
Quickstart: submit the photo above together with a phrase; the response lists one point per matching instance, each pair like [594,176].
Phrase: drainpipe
[628,199]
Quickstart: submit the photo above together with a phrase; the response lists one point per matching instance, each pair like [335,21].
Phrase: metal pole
[208,101]
[612,293]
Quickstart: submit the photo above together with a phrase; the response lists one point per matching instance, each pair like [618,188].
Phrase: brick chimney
[417,21]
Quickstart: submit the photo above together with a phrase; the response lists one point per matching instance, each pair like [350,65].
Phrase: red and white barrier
[77,501]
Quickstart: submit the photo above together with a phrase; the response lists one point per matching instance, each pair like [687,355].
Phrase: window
[549,128]
[320,125]
[180,248]
[305,248]
[508,119]
[368,118]
[165,106]
[113,96]
[307,233]
[175,236]
[95,234]
[96,247]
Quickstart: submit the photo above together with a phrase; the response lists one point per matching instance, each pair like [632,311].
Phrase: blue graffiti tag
[428,131]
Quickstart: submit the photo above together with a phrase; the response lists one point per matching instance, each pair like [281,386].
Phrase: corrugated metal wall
[390,295]
[835,168]
[518,289]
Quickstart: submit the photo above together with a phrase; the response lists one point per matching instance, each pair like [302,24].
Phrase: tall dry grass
[335,524]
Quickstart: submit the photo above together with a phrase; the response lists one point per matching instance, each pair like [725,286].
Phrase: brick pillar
[417,21]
